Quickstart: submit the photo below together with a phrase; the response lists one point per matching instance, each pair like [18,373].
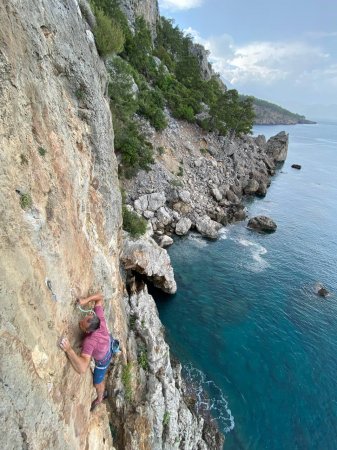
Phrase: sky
[281,51]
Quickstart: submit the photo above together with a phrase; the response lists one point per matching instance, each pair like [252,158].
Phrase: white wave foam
[213,403]
[197,239]
[257,252]
[223,233]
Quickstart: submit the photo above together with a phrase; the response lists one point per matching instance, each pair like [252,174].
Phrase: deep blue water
[246,320]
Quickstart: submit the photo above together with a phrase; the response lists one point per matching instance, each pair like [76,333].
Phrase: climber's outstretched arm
[97,298]
[79,363]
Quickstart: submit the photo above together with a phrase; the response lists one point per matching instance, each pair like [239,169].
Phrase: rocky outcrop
[202,55]
[156,390]
[148,9]
[277,147]
[262,223]
[145,257]
[207,227]
[321,290]
[217,173]
[183,226]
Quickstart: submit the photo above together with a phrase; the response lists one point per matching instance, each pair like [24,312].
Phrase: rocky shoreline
[199,181]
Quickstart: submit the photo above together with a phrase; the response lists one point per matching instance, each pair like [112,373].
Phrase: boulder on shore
[262,223]
[207,227]
[165,241]
[277,146]
[183,226]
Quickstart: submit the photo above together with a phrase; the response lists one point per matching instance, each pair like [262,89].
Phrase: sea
[255,340]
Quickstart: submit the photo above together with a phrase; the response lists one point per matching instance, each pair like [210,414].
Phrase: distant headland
[267,113]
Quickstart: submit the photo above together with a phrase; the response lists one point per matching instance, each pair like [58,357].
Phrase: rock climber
[96,344]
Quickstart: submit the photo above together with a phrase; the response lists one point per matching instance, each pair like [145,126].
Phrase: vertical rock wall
[60,238]
[148,9]
[59,223]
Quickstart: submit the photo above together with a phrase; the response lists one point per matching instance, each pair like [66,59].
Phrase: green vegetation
[132,321]
[26,201]
[204,151]
[127,381]
[142,358]
[161,150]
[132,223]
[23,159]
[42,151]
[80,93]
[147,77]
[265,111]
[108,34]
[176,183]
[166,418]
[180,172]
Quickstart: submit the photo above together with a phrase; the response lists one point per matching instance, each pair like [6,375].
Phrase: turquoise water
[246,322]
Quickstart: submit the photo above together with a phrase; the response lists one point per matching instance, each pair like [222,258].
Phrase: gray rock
[262,223]
[183,226]
[252,187]
[262,191]
[240,215]
[207,227]
[233,198]
[141,204]
[164,215]
[148,214]
[229,148]
[216,194]
[198,162]
[322,292]
[164,389]
[176,215]
[185,196]
[148,9]
[261,141]
[165,241]
[146,257]
[277,146]
[156,200]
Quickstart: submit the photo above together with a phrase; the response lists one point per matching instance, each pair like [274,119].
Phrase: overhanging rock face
[146,257]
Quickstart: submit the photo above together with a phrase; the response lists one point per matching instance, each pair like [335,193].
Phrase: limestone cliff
[148,9]
[60,220]
[60,238]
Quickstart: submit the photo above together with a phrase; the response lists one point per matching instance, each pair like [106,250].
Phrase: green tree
[108,33]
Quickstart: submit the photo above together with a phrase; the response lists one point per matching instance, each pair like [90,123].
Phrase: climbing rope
[86,311]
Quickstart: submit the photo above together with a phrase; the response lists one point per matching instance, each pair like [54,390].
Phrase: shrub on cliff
[108,33]
[132,223]
[151,105]
[136,151]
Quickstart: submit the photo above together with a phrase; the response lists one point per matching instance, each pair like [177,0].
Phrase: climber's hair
[94,323]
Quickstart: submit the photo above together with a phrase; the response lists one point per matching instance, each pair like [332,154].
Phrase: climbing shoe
[97,402]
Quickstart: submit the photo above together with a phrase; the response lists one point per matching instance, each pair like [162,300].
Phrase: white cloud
[261,62]
[175,5]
